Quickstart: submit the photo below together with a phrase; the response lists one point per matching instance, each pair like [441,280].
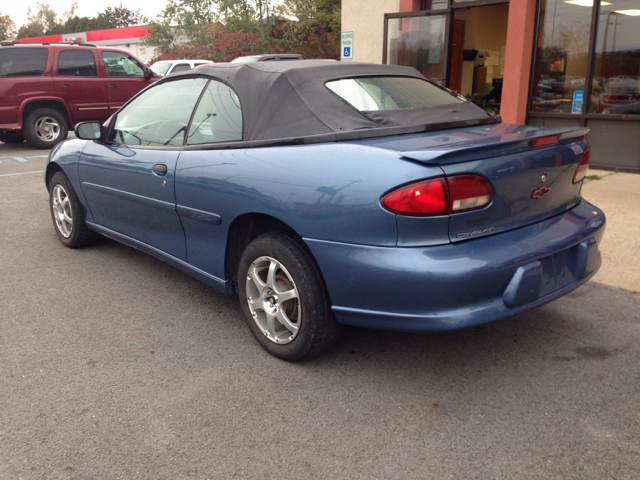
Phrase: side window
[218,117]
[160,115]
[119,64]
[181,67]
[18,62]
[77,63]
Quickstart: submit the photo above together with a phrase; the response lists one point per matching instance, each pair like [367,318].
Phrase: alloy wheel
[61,206]
[273,299]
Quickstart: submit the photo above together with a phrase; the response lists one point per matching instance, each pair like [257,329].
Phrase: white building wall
[365,18]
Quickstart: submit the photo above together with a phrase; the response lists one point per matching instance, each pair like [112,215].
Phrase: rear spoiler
[493,146]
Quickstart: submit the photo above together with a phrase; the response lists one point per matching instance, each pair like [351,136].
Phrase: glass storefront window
[562,54]
[615,87]
[419,42]
[434,5]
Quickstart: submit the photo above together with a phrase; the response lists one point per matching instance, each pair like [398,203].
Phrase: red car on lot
[47,88]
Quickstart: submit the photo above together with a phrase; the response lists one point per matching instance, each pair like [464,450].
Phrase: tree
[224,29]
[316,31]
[7,27]
[194,19]
[118,17]
[43,22]
[161,36]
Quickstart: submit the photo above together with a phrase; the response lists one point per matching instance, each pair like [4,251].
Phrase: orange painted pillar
[517,60]
[408,5]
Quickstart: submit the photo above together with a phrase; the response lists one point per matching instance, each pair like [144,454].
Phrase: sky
[17,9]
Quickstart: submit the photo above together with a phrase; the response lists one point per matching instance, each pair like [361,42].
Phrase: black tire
[45,128]
[11,136]
[68,215]
[295,270]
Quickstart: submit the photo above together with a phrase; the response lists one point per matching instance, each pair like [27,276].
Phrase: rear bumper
[463,284]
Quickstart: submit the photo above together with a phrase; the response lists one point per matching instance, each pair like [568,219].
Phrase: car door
[205,194]
[124,77]
[77,82]
[129,180]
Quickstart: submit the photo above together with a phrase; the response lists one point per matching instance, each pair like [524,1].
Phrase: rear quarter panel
[326,191]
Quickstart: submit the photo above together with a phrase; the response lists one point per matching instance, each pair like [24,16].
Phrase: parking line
[20,173]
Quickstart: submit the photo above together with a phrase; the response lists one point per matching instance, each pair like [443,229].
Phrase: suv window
[77,63]
[160,115]
[218,117]
[22,61]
[181,67]
[118,64]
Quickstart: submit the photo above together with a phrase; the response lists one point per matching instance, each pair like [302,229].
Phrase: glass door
[420,42]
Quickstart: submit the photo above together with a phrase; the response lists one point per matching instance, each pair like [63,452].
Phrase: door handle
[66,86]
[113,86]
[160,168]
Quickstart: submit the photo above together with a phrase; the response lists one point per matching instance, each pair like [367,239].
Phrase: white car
[166,67]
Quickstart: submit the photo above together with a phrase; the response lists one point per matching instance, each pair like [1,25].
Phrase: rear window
[368,94]
[17,62]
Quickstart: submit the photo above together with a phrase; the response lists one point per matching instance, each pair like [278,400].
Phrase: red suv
[47,88]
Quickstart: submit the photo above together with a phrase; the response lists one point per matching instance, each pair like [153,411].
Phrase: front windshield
[160,68]
[368,94]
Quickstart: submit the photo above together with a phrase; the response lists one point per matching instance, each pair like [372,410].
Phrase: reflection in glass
[434,5]
[119,64]
[418,42]
[615,87]
[562,55]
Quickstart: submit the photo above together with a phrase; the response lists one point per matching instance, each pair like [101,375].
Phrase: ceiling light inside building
[585,3]
[633,12]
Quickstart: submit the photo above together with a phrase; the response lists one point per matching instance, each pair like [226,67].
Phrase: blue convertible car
[326,193]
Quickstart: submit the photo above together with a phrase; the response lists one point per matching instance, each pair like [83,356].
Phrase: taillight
[583,166]
[541,141]
[423,198]
[468,192]
[440,196]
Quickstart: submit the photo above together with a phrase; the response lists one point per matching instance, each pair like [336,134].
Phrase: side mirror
[89,131]
[147,73]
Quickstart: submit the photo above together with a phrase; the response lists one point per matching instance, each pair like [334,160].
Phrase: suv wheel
[11,136]
[44,128]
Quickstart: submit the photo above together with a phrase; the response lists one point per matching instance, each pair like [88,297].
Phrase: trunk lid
[530,183]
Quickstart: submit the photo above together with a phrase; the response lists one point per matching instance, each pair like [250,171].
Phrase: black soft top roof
[289,100]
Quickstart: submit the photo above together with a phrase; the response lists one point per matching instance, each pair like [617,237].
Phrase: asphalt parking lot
[115,365]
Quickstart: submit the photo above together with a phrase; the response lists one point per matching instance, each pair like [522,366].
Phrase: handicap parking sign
[346,45]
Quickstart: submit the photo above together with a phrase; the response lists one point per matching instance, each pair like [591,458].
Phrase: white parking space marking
[20,173]
[22,159]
